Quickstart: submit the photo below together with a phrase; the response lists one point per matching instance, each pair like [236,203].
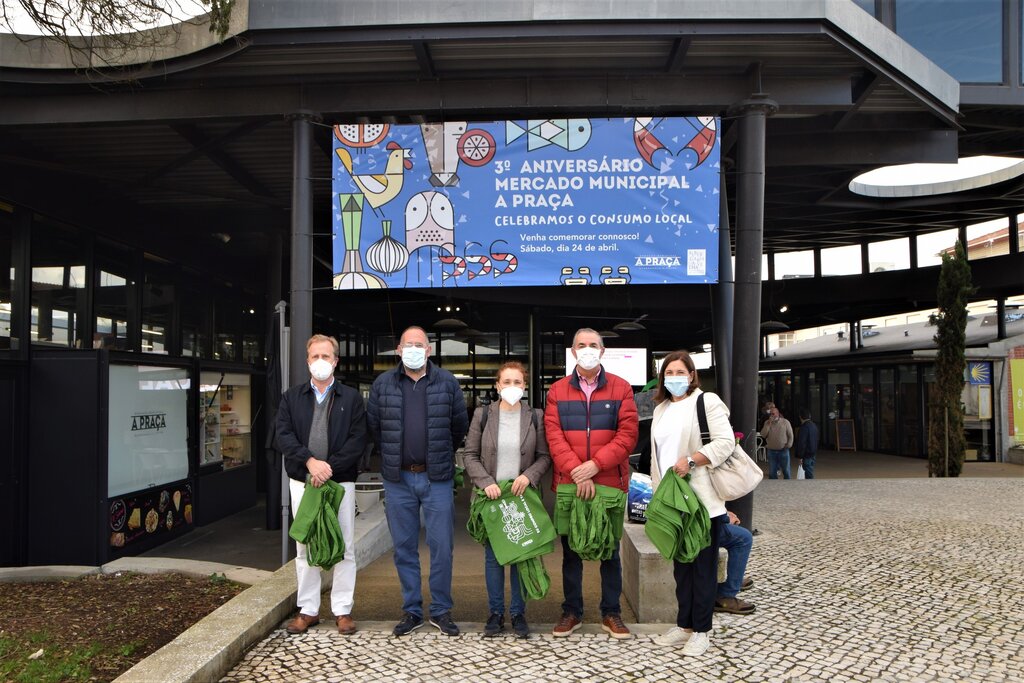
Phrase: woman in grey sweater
[506,442]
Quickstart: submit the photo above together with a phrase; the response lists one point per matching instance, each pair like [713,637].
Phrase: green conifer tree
[946,414]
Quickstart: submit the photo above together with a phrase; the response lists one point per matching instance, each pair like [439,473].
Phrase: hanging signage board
[559,202]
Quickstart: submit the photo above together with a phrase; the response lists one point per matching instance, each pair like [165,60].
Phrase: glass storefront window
[841,260]
[148,428]
[6,275]
[253,333]
[793,264]
[158,292]
[227,322]
[887,410]
[963,37]
[225,414]
[59,286]
[990,238]
[866,399]
[889,255]
[910,411]
[930,247]
[195,325]
[113,286]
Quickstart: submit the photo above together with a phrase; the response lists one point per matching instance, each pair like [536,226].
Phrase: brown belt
[414,468]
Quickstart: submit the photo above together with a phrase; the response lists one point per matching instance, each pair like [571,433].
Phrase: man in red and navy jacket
[591,425]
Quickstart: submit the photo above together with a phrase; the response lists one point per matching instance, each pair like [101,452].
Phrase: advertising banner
[526,202]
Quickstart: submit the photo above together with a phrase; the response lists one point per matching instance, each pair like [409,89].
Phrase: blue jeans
[738,542]
[494,576]
[403,500]
[809,468]
[572,582]
[778,460]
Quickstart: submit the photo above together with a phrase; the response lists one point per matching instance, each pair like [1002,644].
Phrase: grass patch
[53,666]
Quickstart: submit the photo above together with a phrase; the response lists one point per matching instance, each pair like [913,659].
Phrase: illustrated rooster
[379,189]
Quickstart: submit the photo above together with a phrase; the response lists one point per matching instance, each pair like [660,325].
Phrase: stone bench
[647,581]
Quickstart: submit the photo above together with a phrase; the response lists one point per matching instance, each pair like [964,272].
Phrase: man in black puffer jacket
[417,417]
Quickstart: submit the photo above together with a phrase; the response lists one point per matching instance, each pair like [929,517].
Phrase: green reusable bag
[678,524]
[518,527]
[534,581]
[316,524]
[593,527]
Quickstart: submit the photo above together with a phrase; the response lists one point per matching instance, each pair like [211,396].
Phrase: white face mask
[511,395]
[321,370]
[588,358]
[414,357]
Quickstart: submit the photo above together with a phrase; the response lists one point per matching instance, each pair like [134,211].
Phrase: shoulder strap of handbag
[702,420]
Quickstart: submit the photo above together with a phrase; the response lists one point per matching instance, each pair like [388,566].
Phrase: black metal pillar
[301,292]
[722,297]
[1001,318]
[752,117]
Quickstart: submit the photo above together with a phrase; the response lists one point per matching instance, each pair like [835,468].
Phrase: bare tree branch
[101,34]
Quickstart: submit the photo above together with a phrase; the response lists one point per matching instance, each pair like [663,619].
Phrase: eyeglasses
[413,345]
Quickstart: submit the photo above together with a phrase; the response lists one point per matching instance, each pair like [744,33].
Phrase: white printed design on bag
[515,521]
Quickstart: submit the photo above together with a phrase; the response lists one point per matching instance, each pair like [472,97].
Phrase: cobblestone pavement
[855,580]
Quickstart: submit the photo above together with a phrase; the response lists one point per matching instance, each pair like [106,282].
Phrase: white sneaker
[674,637]
[697,644]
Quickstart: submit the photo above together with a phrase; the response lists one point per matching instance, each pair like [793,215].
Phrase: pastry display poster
[147,427]
[150,513]
[526,202]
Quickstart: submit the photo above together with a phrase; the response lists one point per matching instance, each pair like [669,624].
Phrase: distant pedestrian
[778,436]
[807,443]
[417,416]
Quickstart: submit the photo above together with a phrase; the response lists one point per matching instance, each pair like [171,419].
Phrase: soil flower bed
[97,627]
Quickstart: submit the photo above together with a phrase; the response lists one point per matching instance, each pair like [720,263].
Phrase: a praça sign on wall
[527,202]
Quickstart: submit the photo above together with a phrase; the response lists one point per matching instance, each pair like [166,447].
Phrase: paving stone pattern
[855,580]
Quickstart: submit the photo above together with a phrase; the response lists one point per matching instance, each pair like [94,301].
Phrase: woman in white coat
[676,445]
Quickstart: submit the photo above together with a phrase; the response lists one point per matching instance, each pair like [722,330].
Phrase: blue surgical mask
[677,385]
[414,357]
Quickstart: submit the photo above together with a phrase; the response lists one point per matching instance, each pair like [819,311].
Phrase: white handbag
[738,475]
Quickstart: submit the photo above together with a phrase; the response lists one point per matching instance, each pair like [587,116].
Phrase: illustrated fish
[569,134]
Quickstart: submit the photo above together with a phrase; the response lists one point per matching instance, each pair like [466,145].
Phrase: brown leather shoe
[300,623]
[346,625]
[566,625]
[734,606]
[747,584]
[613,626]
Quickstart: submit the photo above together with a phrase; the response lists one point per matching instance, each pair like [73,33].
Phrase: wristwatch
[690,462]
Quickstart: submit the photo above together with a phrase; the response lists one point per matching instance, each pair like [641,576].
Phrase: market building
[153,213]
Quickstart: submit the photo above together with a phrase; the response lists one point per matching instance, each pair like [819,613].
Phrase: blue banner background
[538,202]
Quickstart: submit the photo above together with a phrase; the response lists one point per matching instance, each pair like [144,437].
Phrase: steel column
[752,117]
[722,296]
[301,292]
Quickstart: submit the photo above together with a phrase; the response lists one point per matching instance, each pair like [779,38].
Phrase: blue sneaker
[444,624]
[409,623]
